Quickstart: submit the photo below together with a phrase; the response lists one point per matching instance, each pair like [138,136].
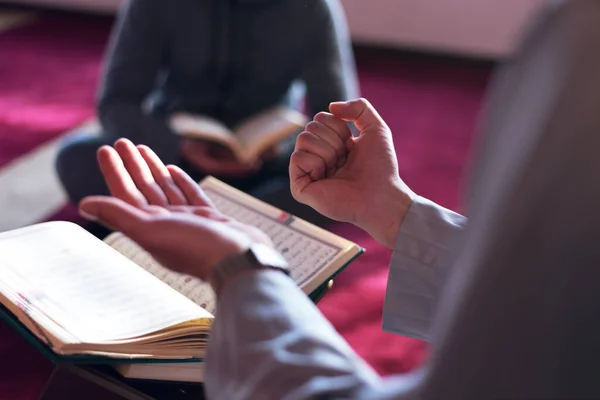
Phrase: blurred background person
[226,59]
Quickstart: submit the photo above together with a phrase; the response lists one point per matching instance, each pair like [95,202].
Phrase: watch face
[266,255]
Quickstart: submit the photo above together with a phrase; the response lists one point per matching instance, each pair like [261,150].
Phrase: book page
[84,286]
[306,254]
[198,291]
[259,132]
[202,127]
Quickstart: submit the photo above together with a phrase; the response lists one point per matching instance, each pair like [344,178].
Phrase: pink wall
[476,27]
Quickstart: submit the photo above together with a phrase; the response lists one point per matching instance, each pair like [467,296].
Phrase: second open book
[81,297]
[250,138]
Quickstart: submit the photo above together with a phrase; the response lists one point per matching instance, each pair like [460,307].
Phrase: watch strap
[257,257]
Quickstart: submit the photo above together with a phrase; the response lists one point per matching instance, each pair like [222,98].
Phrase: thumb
[358,111]
[114,213]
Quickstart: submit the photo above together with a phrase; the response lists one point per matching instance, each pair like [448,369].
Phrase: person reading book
[226,62]
[509,300]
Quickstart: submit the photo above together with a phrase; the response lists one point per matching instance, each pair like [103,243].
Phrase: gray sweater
[225,58]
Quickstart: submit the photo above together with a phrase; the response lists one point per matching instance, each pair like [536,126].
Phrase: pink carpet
[48,78]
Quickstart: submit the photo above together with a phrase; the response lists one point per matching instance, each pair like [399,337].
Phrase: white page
[88,288]
[274,121]
[192,125]
[305,255]
[193,288]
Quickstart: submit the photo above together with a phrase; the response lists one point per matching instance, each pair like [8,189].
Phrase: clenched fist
[351,179]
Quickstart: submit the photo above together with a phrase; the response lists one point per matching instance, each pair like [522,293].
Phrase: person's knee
[73,158]
[77,168]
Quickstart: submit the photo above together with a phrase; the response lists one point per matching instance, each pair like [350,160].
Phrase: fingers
[337,126]
[162,176]
[210,213]
[270,153]
[191,190]
[200,211]
[310,143]
[359,111]
[335,132]
[140,172]
[138,176]
[115,214]
[305,166]
[203,158]
[157,211]
[117,178]
[329,138]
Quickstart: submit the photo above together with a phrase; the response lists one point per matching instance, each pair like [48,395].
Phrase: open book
[250,138]
[84,300]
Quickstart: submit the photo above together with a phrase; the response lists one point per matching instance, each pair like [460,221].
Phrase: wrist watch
[258,256]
